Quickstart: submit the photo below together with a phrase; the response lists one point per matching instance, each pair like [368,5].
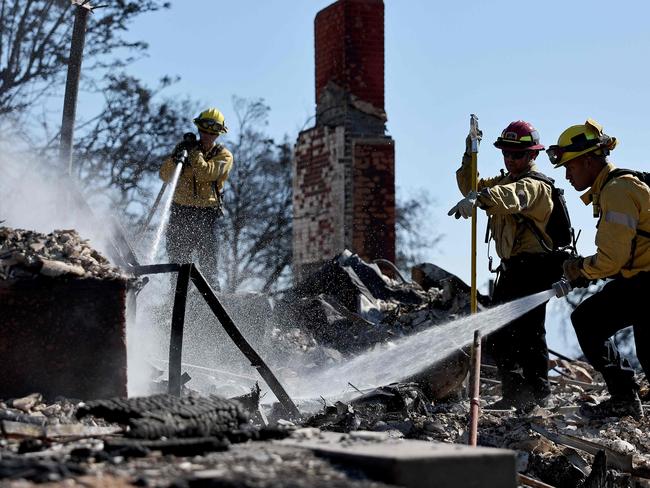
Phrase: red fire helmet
[519,136]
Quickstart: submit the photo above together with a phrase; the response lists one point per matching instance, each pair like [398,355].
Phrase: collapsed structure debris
[347,299]
[58,283]
[553,445]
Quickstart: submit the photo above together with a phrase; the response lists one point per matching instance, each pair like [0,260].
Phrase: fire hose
[181,158]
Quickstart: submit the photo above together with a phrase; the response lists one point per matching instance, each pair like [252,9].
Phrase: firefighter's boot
[616,406]
[624,397]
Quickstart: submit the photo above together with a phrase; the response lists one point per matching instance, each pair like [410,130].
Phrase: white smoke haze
[35,195]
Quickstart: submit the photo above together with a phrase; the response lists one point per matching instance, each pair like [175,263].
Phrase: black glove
[182,149]
[573,272]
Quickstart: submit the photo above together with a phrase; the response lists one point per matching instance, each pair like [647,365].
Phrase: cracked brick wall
[344,166]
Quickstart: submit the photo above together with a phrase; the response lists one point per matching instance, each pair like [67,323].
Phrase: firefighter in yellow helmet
[197,202]
[621,203]
[519,204]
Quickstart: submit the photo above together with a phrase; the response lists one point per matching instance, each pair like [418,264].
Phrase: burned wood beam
[240,341]
[617,460]
[533,483]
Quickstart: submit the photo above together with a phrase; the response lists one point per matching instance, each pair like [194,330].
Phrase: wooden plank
[620,461]
[527,481]
[20,429]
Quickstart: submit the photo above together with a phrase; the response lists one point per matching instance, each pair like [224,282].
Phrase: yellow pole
[474,136]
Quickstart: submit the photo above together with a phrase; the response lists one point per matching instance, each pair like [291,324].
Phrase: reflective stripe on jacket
[200,177]
[506,200]
[623,206]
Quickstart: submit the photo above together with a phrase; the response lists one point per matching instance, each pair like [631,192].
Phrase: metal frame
[190,271]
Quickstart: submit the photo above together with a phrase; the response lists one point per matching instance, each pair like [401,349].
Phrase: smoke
[37,195]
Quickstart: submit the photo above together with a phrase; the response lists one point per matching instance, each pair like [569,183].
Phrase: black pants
[621,303]
[192,230]
[519,349]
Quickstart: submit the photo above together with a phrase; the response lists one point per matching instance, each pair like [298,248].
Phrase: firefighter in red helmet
[519,203]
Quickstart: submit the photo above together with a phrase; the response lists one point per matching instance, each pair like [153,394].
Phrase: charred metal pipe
[392,266]
[72,82]
[146,269]
[178,324]
[475,382]
[188,272]
[561,356]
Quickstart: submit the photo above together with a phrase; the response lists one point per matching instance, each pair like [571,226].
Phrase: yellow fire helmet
[211,121]
[578,140]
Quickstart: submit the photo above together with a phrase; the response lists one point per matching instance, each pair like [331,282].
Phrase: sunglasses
[513,154]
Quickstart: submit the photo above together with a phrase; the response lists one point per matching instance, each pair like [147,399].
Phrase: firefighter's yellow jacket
[506,200]
[622,206]
[202,178]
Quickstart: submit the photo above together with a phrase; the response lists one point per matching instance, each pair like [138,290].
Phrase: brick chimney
[344,166]
[349,38]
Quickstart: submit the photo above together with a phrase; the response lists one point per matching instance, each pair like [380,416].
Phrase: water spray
[412,354]
[151,255]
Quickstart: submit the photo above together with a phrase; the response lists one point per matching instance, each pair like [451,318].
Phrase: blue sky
[552,63]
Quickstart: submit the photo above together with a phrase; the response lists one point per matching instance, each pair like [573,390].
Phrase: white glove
[464,207]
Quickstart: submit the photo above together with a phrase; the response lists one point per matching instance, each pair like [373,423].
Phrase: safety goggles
[555,152]
[210,125]
[513,154]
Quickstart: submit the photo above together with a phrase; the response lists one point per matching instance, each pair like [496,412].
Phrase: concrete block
[413,463]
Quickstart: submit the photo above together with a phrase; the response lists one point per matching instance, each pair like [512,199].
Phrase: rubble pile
[26,254]
[50,442]
[349,305]
[194,441]
[112,441]
[555,445]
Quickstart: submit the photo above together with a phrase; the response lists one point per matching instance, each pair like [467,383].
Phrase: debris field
[346,307]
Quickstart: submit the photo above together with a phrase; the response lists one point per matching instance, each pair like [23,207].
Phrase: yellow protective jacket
[202,178]
[506,200]
[622,206]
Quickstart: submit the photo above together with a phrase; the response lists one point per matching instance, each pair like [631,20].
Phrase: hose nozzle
[562,288]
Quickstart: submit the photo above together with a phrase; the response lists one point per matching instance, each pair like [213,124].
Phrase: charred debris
[346,307]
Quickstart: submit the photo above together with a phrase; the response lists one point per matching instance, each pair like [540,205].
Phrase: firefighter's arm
[206,170]
[167,170]
[616,231]
[520,197]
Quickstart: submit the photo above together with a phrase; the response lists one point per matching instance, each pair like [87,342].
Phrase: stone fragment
[27,403]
